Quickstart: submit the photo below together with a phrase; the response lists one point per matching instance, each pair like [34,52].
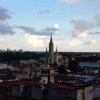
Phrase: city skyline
[28,25]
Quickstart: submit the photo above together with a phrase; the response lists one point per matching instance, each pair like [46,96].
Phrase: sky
[28,25]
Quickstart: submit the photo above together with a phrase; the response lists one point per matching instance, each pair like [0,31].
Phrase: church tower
[56,56]
[46,55]
[51,51]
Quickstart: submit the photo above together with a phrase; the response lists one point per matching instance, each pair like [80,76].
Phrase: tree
[62,69]
[74,66]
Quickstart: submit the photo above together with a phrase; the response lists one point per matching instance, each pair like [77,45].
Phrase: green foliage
[17,56]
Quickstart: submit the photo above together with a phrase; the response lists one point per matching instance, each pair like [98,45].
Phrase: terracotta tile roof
[18,82]
[58,85]
[37,78]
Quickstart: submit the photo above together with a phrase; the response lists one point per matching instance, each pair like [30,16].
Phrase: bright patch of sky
[28,24]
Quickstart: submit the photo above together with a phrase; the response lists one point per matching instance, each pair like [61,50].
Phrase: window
[90,91]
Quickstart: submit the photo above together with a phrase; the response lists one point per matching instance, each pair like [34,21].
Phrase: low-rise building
[62,91]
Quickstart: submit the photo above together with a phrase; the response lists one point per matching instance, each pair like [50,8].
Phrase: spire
[56,50]
[46,50]
[51,41]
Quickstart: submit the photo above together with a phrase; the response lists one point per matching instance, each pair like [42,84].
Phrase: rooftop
[60,85]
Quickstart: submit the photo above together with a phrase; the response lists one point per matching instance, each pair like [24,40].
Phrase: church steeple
[56,56]
[51,46]
[56,50]
[51,51]
[46,50]
[51,56]
[51,40]
[46,55]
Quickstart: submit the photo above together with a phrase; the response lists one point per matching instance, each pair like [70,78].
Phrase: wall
[89,93]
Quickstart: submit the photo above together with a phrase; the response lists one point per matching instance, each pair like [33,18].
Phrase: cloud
[38,39]
[69,1]
[42,12]
[6,29]
[94,33]
[75,43]
[80,45]
[97,20]
[35,40]
[76,1]
[81,27]
[46,31]
[91,42]
[2,40]
[4,14]
[96,1]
